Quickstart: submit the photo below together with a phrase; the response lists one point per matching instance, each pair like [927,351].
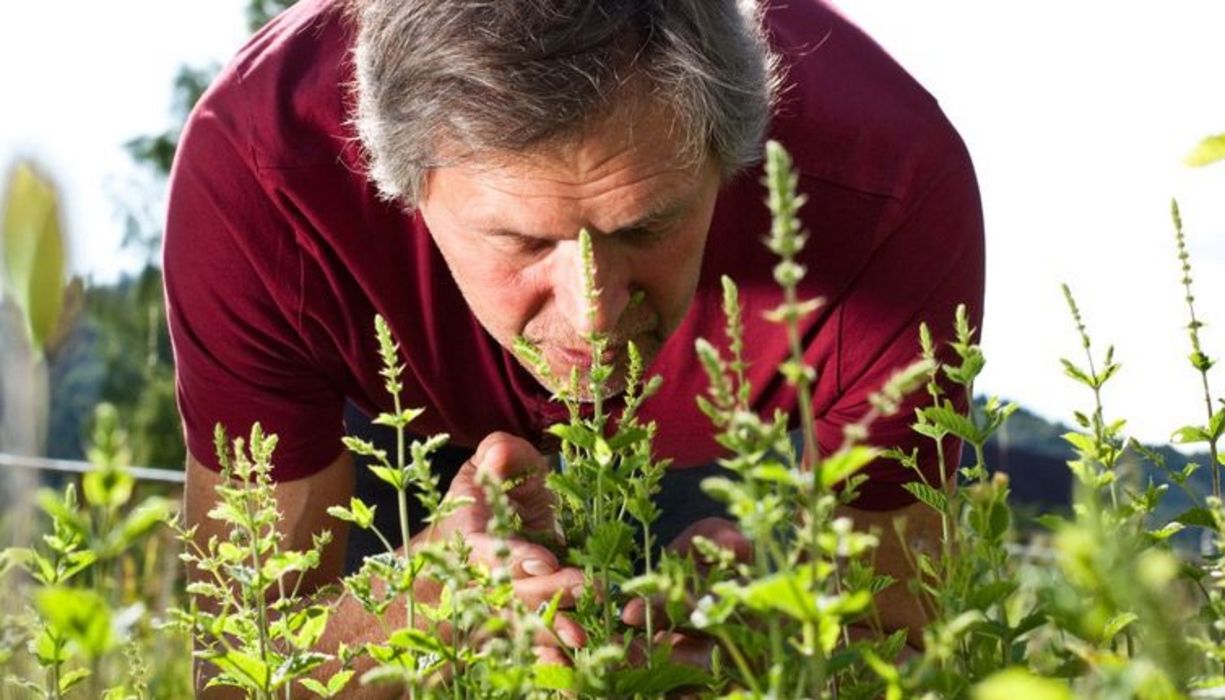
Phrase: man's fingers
[721,531]
[525,558]
[635,612]
[565,630]
[546,654]
[507,456]
[537,590]
[510,458]
[689,648]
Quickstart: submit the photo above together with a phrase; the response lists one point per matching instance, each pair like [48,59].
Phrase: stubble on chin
[649,346]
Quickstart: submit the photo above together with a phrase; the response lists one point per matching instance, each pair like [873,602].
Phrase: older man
[432,161]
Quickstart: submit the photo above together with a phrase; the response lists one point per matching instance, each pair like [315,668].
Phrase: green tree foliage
[120,352]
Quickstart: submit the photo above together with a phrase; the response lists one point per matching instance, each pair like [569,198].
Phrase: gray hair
[500,76]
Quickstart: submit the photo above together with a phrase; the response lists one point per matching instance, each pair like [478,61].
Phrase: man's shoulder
[847,112]
[284,94]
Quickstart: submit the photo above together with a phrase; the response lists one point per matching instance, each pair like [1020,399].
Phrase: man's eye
[525,245]
[643,235]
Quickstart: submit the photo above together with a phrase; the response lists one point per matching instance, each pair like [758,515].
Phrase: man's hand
[691,647]
[535,572]
[898,608]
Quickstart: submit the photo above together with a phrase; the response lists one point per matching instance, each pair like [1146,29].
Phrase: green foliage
[1099,605]
[86,629]
[249,620]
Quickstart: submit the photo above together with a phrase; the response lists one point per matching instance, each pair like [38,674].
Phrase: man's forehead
[519,199]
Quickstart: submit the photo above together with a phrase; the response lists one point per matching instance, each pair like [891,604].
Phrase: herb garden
[1099,603]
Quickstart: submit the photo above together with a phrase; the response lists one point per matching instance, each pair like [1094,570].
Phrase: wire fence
[66,466]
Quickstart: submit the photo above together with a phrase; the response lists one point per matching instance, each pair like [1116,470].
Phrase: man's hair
[501,76]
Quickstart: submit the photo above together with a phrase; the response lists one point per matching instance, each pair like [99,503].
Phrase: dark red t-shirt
[278,255]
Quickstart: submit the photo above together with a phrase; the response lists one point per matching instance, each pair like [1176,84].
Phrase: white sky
[1077,115]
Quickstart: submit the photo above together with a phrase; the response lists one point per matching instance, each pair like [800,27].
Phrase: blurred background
[1079,117]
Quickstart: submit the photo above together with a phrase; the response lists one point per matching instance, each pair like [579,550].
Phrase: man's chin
[563,383]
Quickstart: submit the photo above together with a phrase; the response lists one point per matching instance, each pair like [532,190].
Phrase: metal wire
[165,476]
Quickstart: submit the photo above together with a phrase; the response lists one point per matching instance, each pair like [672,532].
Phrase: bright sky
[1077,115]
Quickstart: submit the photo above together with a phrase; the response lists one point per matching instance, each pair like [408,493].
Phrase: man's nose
[601,313]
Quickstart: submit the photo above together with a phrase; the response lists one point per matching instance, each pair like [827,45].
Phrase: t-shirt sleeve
[233,280]
[931,261]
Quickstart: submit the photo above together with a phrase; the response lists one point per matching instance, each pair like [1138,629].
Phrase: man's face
[508,229]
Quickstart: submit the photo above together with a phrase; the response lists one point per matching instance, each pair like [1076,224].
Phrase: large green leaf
[79,615]
[33,252]
[1014,683]
[1210,150]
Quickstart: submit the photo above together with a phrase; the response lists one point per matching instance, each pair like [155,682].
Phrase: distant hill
[1032,451]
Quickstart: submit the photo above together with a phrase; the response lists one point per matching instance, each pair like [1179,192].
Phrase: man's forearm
[897,605]
[349,624]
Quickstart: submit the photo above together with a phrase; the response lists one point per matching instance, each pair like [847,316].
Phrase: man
[432,161]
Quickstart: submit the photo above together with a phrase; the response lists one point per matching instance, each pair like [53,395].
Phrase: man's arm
[897,606]
[535,572]
[303,505]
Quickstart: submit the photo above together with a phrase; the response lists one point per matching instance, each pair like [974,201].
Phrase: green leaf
[1082,443]
[1014,683]
[396,477]
[250,671]
[933,498]
[658,680]
[1029,623]
[844,463]
[790,593]
[553,677]
[1077,373]
[887,673]
[1216,425]
[338,681]
[549,614]
[315,687]
[363,515]
[107,488]
[72,678]
[1198,517]
[1189,434]
[1117,624]
[949,419]
[1207,151]
[33,253]
[78,615]
[61,512]
[1166,531]
[774,473]
[418,641]
[143,519]
[984,597]
[578,435]
[310,624]
[628,436]
[607,544]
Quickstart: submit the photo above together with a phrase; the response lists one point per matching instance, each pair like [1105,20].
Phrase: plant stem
[740,661]
[261,602]
[646,548]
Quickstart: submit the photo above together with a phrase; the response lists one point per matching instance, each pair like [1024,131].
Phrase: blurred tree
[121,352]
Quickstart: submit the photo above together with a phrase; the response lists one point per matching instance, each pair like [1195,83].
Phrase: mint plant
[782,619]
[1099,603]
[248,616]
[88,610]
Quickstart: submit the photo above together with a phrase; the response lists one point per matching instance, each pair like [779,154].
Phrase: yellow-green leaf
[1013,683]
[34,252]
[1210,150]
